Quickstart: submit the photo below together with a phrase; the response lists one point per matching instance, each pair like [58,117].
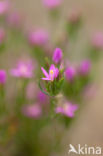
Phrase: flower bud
[85,67]
[52,4]
[97,41]
[57,56]
[70,73]
[38,38]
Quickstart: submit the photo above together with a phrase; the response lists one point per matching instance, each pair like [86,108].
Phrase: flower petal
[56,72]
[52,67]
[47,79]
[44,72]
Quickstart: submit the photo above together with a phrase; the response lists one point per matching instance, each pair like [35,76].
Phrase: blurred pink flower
[53,73]
[32,111]
[97,40]
[23,69]
[70,73]
[3,76]
[74,16]
[42,98]
[52,4]
[14,19]
[68,109]
[2,35]
[57,55]
[39,37]
[85,67]
[4,7]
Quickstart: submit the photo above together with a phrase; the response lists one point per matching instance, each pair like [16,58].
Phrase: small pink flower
[85,67]
[4,7]
[42,98]
[74,16]
[53,73]
[2,35]
[52,4]
[32,111]
[3,76]
[68,109]
[39,37]
[70,73]
[23,69]
[14,19]
[57,56]
[97,40]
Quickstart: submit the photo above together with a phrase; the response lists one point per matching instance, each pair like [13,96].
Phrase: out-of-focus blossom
[57,56]
[97,40]
[42,98]
[32,111]
[52,4]
[2,35]
[85,67]
[31,90]
[14,20]
[53,73]
[4,7]
[23,69]
[3,76]
[70,73]
[39,37]
[74,16]
[68,109]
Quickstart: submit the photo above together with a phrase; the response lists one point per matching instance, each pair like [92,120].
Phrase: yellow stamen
[51,72]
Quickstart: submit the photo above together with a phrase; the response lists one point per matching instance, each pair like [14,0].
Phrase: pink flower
[2,76]
[53,73]
[4,7]
[39,37]
[97,40]
[68,109]
[14,19]
[57,56]
[2,35]
[42,98]
[23,69]
[70,73]
[74,16]
[32,111]
[52,4]
[85,67]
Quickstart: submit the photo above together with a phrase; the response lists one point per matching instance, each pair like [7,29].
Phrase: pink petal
[59,110]
[52,67]
[56,72]
[47,79]
[44,72]
[15,72]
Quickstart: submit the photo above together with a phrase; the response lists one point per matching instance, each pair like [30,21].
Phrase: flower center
[65,106]
[23,69]
[51,72]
